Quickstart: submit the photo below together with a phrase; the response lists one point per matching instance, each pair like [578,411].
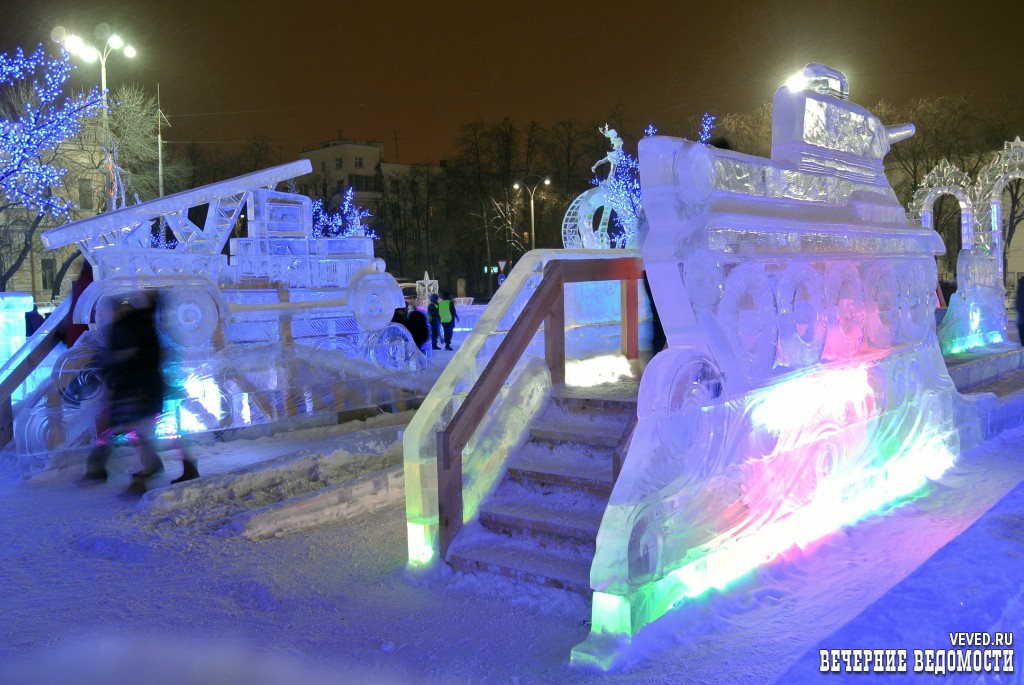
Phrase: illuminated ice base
[891,453]
[969,325]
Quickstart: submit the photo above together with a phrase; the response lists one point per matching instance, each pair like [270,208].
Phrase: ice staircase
[540,523]
[993,380]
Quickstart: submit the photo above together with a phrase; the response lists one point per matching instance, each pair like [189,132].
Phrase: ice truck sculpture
[281,323]
[803,385]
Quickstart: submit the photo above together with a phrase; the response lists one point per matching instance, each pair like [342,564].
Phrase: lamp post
[76,46]
[517,186]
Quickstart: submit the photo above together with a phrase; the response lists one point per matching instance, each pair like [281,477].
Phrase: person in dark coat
[1019,306]
[416,322]
[434,320]
[135,391]
[132,366]
[33,320]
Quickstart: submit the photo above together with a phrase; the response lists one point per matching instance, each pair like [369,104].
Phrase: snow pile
[96,589]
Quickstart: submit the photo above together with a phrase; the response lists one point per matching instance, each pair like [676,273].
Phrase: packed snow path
[93,586]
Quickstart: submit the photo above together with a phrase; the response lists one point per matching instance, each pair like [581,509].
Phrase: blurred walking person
[1019,306]
[132,364]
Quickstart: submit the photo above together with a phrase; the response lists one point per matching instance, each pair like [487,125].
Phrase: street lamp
[76,46]
[517,186]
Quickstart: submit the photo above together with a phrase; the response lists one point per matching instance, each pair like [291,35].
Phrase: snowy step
[522,559]
[596,395]
[600,435]
[973,370]
[333,504]
[570,464]
[537,516]
[599,423]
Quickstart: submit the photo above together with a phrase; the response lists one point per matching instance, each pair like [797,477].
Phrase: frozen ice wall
[803,385]
[12,322]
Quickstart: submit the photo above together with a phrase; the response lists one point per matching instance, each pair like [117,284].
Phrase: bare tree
[408,216]
[749,132]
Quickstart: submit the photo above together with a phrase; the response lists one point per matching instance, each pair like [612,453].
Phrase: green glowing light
[421,543]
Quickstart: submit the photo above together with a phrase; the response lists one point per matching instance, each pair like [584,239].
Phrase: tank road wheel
[391,348]
[703,278]
[802,316]
[688,385]
[188,316]
[917,306]
[749,318]
[374,300]
[881,305]
[78,375]
[844,297]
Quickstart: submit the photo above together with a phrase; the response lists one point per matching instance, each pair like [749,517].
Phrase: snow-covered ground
[96,588]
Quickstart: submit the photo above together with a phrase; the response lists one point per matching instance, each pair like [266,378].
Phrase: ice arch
[946,179]
[1007,166]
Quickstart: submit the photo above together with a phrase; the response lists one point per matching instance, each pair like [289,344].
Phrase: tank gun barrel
[899,132]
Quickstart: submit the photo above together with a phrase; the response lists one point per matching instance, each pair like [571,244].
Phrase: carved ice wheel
[916,303]
[803,323]
[881,304]
[77,374]
[373,301]
[748,316]
[702,275]
[844,296]
[38,435]
[684,402]
[822,455]
[391,348]
[188,316]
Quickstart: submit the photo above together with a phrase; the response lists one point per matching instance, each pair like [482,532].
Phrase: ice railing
[27,367]
[592,328]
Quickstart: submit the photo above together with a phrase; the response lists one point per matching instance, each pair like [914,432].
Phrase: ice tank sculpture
[280,323]
[803,385]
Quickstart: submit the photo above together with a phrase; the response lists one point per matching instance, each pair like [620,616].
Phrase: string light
[347,222]
[622,187]
[49,118]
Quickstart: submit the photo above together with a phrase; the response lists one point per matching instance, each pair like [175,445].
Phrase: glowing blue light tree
[48,118]
[45,118]
[622,186]
[347,222]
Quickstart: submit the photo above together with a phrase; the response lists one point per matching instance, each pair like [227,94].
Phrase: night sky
[299,72]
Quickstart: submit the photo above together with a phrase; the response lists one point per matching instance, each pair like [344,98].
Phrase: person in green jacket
[446,312]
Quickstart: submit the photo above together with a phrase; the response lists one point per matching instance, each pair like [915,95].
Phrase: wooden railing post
[449,492]
[554,327]
[6,420]
[630,319]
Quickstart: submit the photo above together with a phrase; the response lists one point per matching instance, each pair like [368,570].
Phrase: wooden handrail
[24,361]
[546,305]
